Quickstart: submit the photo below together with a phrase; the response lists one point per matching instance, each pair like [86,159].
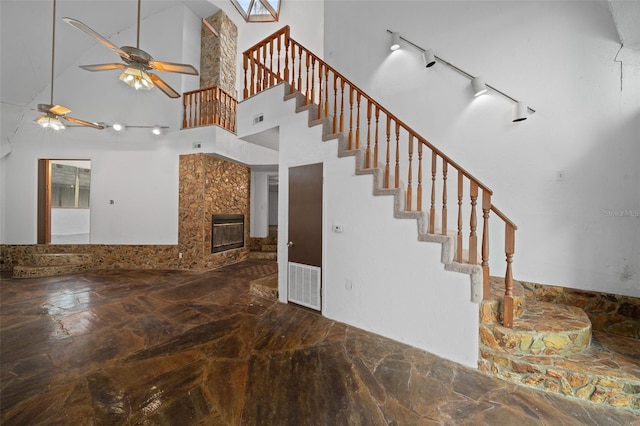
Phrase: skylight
[258,10]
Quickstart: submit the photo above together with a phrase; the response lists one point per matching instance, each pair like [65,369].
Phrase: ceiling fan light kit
[137,78]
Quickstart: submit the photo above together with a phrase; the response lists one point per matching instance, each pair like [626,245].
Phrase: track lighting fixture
[157,130]
[477,83]
[521,112]
[479,86]
[395,41]
[429,58]
[119,127]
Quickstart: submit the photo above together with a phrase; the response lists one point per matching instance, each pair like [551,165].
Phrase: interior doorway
[305,236]
[64,192]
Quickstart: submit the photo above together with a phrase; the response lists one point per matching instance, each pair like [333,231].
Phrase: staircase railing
[209,106]
[391,144]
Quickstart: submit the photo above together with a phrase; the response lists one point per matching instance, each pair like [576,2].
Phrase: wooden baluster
[185,102]
[293,67]
[408,205]
[320,92]
[386,167]
[299,88]
[509,245]
[202,111]
[217,108]
[306,93]
[367,156]
[460,195]
[432,210]
[419,204]
[444,197]
[265,75]
[375,147]
[312,98]
[486,208]
[279,47]
[473,224]
[335,103]
[252,77]
[196,107]
[341,105]
[358,120]
[245,66]
[286,56]
[397,169]
[349,139]
[326,91]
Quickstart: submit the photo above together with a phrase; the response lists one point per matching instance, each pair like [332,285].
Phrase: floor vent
[304,285]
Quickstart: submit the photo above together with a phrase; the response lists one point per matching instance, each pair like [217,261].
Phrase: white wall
[581,232]
[259,226]
[399,288]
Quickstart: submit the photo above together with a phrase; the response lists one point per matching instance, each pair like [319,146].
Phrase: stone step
[606,373]
[57,259]
[491,308]
[543,329]
[30,271]
[267,255]
[269,247]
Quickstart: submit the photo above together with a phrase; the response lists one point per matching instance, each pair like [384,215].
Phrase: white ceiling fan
[137,62]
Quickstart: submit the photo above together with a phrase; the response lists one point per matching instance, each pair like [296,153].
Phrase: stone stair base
[53,264]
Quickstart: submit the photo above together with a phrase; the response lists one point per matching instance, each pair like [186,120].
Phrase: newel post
[509,244]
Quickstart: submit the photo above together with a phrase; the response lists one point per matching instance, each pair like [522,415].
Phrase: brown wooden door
[44,201]
[305,214]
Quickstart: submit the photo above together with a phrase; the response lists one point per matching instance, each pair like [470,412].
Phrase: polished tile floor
[120,347]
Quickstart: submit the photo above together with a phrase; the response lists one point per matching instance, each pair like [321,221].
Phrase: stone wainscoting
[610,313]
[103,256]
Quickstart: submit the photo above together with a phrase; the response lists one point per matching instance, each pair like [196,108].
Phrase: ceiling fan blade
[85,29]
[173,67]
[59,110]
[103,67]
[164,86]
[84,123]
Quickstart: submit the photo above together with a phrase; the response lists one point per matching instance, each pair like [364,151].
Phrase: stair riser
[544,375]
[510,341]
[47,271]
[58,259]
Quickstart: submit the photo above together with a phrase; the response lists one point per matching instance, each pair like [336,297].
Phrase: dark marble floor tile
[146,347]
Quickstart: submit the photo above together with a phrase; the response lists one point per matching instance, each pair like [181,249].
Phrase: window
[70,184]
[258,10]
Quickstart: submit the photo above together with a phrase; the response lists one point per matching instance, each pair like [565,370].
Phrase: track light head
[479,86]
[429,58]
[521,112]
[395,41]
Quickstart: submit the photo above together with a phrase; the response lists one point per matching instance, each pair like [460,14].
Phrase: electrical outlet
[348,285]
[179,255]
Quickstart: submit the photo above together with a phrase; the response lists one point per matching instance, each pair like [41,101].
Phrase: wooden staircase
[550,346]
[52,264]
[533,343]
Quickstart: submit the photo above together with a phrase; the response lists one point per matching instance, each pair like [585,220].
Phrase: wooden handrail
[209,106]
[278,58]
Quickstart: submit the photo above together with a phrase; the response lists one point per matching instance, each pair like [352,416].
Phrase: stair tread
[29,271]
[55,259]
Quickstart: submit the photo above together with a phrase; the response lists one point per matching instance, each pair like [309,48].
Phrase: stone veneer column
[210,185]
[218,54]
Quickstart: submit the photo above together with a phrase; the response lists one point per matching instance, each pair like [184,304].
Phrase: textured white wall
[399,288]
[581,232]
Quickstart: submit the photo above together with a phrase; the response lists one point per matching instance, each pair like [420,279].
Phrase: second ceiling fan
[137,62]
